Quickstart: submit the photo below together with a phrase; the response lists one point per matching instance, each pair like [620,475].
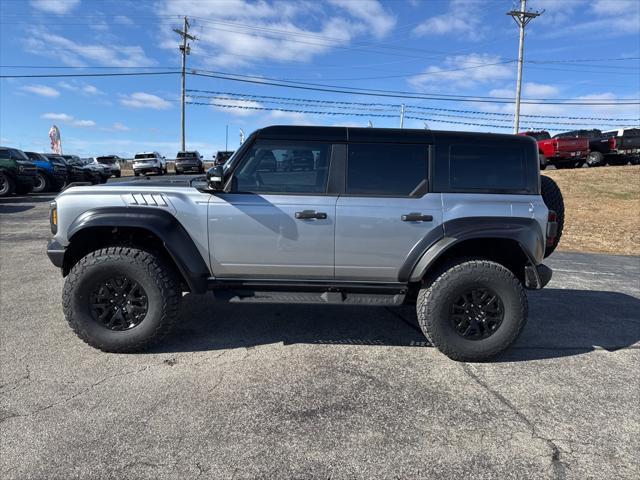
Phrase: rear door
[385,211]
[277,223]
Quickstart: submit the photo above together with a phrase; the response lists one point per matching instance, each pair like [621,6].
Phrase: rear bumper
[55,252]
[189,167]
[537,276]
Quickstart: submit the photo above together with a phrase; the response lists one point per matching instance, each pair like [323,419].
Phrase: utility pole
[185,48]
[402,116]
[522,17]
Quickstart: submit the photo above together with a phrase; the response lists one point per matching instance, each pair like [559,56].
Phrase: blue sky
[460,47]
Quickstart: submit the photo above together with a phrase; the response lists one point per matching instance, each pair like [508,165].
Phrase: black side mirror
[215,178]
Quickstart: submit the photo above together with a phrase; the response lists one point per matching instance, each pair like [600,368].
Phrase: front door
[385,211]
[278,221]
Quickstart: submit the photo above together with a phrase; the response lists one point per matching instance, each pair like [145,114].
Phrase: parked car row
[593,147]
[25,172]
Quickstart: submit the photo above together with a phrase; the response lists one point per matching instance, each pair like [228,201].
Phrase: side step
[327,297]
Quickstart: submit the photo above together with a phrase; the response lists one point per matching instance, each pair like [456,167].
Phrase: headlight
[53,217]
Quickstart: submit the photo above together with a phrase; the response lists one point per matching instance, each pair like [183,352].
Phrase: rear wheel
[7,185]
[553,199]
[472,310]
[121,299]
[42,184]
[595,159]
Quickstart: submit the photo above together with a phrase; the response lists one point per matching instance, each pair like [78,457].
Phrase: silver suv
[454,223]
[146,162]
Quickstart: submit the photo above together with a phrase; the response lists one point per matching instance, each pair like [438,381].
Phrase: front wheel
[472,310]
[42,184]
[7,185]
[121,299]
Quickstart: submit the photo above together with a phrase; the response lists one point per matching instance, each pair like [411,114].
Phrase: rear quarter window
[493,167]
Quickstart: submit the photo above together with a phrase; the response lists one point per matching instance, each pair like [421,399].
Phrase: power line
[397,105]
[358,108]
[392,93]
[58,75]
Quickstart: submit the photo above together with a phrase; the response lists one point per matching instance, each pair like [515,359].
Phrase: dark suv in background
[17,172]
[188,162]
[221,157]
[51,175]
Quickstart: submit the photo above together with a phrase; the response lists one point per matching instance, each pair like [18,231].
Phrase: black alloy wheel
[476,314]
[118,303]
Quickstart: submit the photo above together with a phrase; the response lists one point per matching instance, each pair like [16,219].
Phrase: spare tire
[553,199]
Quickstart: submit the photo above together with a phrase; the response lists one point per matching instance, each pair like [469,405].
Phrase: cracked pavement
[276,391]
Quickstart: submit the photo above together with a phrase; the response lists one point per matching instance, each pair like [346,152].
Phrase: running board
[327,297]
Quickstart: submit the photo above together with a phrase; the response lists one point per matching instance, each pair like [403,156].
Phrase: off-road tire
[156,278]
[7,185]
[42,183]
[435,301]
[553,199]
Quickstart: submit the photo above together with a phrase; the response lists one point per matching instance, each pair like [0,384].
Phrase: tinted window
[383,169]
[631,132]
[479,167]
[4,153]
[284,167]
[144,155]
[539,135]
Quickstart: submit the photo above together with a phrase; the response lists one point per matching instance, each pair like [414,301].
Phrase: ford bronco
[455,223]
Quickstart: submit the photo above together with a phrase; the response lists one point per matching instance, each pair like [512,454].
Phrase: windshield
[106,160]
[72,159]
[34,156]
[238,153]
[539,135]
[143,156]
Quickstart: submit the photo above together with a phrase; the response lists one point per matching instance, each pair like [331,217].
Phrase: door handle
[310,214]
[416,217]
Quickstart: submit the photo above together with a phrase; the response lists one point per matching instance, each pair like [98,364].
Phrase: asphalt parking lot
[254,391]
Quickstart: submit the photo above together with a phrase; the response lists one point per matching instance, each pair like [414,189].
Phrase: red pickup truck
[560,152]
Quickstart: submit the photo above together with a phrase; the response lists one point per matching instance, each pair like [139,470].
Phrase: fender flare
[526,232]
[162,224]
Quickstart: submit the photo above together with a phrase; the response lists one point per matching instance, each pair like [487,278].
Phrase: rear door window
[395,170]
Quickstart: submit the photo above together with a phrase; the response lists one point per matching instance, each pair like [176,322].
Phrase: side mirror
[215,178]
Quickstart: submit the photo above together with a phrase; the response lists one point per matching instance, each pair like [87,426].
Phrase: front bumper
[26,180]
[55,252]
[537,276]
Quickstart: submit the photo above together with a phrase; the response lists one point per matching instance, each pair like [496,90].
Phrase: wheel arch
[150,228]
[512,242]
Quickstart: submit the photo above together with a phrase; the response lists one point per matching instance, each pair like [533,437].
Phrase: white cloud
[68,119]
[55,6]
[539,90]
[120,127]
[463,18]
[145,100]
[61,117]
[41,42]
[41,90]
[79,87]
[371,12]
[463,71]
[235,33]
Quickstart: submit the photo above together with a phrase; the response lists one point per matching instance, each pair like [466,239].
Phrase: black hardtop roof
[363,134]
